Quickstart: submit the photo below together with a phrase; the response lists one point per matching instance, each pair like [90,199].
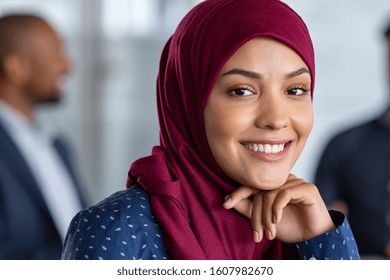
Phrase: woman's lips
[268,151]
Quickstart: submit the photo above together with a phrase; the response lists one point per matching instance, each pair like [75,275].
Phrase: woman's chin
[269,184]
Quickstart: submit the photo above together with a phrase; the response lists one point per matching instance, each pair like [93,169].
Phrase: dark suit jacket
[27,230]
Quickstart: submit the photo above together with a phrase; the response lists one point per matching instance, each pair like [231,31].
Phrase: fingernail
[228,200]
[269,235]
[256,237]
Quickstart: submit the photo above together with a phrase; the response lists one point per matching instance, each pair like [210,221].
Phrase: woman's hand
[292,213]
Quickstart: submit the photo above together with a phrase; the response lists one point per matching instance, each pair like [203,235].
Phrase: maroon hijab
[186,186]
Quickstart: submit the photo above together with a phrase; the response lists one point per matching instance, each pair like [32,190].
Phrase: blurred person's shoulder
[357,133]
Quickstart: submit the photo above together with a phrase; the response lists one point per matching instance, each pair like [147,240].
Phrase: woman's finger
[281,201]
[244,207]
[298,194]
[239,194]
[256,219]
[268,215]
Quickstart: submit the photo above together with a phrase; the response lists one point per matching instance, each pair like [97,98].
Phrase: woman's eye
[298,91]
[241,92]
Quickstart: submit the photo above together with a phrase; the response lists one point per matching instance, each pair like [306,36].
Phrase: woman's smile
[267,150]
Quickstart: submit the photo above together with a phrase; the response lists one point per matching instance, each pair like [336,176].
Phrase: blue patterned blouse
[123,227]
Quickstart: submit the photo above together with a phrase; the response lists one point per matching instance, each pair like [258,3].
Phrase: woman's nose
[272,112]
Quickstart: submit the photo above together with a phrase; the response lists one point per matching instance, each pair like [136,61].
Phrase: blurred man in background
[39,192]
[353,176]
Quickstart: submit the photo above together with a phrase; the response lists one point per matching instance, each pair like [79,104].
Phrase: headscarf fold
[186,186]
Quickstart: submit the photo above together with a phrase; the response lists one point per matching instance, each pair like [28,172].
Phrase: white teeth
[265,148]
[261,148]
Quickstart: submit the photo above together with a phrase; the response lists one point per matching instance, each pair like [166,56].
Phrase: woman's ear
[16,69]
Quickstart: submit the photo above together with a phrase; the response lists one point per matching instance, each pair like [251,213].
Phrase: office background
[108,111]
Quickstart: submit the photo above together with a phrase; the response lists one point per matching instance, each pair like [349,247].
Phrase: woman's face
[259,114]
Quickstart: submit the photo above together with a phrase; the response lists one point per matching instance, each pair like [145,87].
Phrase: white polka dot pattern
[120,227]
[338,244]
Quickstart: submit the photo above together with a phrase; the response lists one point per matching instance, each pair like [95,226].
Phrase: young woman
[234,98]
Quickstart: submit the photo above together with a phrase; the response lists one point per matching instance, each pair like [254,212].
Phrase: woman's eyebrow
[242,72]
[298,72]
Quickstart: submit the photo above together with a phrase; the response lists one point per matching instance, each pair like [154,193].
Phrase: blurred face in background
[48,65]
[259,114]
